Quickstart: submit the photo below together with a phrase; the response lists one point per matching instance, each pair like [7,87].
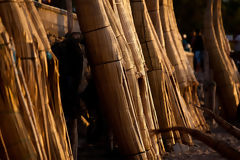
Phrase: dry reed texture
[224,70]
[30,95]
[143,84]
[143,76]
[131,78]
[184,73]
[155,55]
[135,78]
[113,70]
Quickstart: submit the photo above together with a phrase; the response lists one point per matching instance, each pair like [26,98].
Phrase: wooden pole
[69,15]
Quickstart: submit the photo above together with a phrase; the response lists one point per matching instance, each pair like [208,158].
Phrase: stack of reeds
[184,72]
[170,106]
[32,124]
[225,72]
[134,76]
[120,77]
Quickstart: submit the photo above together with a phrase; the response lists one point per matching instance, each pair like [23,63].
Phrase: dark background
[190,14]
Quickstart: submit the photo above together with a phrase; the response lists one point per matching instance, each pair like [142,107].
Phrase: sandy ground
[200,151]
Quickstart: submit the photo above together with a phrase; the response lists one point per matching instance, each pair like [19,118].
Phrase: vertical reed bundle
[222,40]
[120,39]
[188,83]
[13,129]
[162,86]
[143,84]
[109,64]
[191,93]
[170,47]
[132,80]
[155,67]
[38,106]
[53,77]
[225,73]
[154,12]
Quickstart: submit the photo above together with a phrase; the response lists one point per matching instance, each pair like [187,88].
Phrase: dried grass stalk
[185,76]
[39,116]
[110,63]
[132,80]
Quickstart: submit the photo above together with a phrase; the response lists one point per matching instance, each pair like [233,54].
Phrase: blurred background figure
[198,50]
[186,45]
[237,43]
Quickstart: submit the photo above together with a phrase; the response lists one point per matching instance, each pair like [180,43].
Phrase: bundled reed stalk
[223,42]
[225,72]
[13,129]
[127,25]
[131,79]
[185,76]
[154,66]
[226,43]
[113,70]
[170,100]
[117,60]
[163,86]
[190,94]
[53,76]
[35,98]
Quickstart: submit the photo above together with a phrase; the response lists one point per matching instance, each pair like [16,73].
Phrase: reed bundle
[132,69]
[169,104]
[225,72]
[143,84]
[109,64]
[223,42]
[30,97]
[132,80]
[184,72]
[121,40]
